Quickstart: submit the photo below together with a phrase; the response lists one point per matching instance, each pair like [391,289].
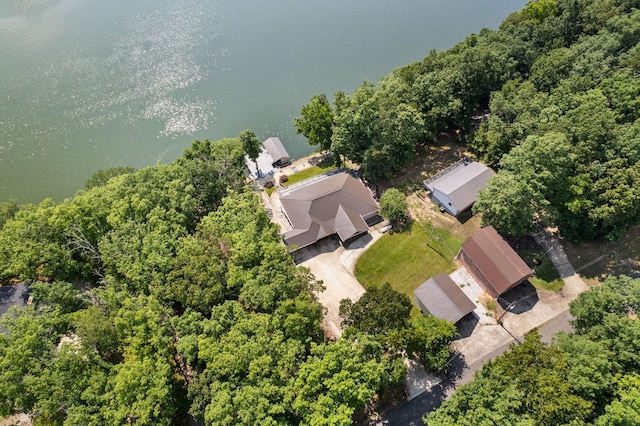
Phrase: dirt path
[17,420]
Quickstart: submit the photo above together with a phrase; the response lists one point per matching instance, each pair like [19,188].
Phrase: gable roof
[275,148]
[461,183]
[442,297]
[334,204]
[488,256]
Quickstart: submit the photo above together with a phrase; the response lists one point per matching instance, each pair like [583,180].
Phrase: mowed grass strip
[405,260]
[323,167]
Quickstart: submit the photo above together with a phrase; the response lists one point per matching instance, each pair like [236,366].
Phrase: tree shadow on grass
[405,226]
[465,216]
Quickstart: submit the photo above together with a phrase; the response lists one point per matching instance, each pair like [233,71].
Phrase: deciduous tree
[394,206]
[380,309]
[428,339]
[316,122]
[327,392]
[101,177]
[250,144]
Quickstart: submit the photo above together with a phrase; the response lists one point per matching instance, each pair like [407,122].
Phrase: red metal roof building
[492,262]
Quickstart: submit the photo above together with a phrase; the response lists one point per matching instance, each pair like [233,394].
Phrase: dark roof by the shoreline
[276,149]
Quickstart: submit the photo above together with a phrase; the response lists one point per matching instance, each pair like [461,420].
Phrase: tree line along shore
[165,294]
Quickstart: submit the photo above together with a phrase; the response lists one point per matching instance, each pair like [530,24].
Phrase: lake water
[88,84]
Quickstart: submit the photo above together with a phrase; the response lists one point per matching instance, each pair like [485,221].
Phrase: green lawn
[323,167]
[546,276]
[405,260]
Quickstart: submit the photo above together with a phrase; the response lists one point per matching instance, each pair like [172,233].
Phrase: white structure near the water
[277,151]
[272,156]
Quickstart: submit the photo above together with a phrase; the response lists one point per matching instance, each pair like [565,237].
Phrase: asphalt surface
[411,412]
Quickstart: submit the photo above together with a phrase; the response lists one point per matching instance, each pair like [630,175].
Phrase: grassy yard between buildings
[409,258]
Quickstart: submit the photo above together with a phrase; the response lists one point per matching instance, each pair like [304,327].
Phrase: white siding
[445,201]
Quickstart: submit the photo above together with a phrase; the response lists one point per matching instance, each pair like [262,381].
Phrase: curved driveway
[334,264]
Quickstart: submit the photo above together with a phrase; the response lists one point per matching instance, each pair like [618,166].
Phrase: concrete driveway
[473,291]
[334,264]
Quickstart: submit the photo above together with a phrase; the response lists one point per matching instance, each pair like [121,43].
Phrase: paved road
[411,412]
[559,323]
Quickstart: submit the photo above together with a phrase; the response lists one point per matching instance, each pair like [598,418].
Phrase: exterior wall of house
[420,305]
[370,215]
[445,201]
[466,261]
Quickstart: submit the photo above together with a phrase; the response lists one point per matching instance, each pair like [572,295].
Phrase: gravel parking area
[472,289]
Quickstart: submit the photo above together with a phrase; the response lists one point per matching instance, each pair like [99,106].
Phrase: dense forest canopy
[189,304]
[166,292]
[560,83]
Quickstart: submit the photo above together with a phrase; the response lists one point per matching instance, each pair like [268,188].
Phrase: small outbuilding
[456,188]
[441,297]
[493,263]
[272,156]
[277,151]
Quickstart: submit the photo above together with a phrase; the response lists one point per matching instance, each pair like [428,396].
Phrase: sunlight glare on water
[87,85]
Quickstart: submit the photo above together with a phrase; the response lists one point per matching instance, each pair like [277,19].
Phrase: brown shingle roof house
[338,204]
[442,298]
[493,262]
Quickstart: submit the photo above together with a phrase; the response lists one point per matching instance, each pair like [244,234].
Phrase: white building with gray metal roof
[456,188]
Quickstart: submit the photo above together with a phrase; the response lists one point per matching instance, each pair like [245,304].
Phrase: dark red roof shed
[494,264]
